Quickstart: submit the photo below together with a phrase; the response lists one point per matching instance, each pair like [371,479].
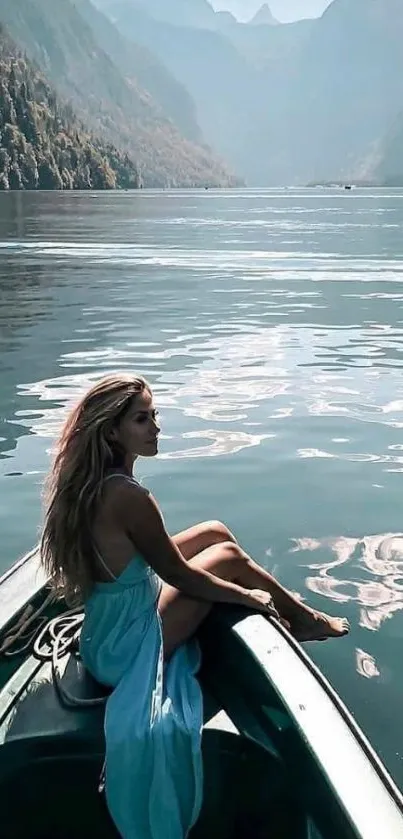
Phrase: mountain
[289,103]
[238,79]
[332,88]
[274,50]
[140,67]
[221,81]
[198,14]
[110,100]
[346,89]
[225,22]
[263,17]
[242,10]
[42,145]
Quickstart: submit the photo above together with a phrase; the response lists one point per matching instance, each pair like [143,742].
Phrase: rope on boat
[57,639]
[50,641]
[25,629]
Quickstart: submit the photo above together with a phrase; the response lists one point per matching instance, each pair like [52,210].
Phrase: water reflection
[253,374]
[24,299]
[366,665]
[372,578]
[237,331]
[223,442]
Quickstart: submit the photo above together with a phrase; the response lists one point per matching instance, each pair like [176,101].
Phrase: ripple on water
[378,556]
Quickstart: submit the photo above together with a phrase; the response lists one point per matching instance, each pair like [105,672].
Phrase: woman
[145,594]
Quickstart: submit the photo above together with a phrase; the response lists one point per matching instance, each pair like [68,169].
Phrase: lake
[270,325]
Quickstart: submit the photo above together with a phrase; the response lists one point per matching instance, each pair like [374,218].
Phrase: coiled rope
[49,640]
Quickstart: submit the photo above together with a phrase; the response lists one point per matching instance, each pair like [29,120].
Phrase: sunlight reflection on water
[380,556]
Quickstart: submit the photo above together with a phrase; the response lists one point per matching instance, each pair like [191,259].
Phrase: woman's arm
[142,521]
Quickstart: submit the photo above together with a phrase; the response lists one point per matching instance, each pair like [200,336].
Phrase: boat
[283,757]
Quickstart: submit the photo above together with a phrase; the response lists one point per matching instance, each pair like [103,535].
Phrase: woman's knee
[226,560]
[219,532]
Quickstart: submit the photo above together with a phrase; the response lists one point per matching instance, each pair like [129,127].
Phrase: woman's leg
[196,539]
[182,615]
[306,623]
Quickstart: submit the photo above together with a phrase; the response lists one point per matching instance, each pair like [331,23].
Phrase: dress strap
[103,563]
[131,480]
[116,475]
[98,553]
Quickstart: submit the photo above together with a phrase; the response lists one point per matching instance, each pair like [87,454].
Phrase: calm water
[271,327]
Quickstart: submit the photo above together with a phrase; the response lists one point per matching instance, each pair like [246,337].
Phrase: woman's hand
[263,602]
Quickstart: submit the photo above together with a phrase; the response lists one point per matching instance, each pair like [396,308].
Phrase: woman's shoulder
[122,494]
[131,503]
[120,481]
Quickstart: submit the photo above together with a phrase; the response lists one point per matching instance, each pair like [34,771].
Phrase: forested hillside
[42,145]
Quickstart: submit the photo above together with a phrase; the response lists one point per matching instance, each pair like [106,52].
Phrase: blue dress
[154,715]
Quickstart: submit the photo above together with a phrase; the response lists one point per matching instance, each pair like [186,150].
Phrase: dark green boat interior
[261,778]
[52,761]
[51,758]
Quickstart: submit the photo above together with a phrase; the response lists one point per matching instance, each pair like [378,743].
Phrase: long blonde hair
[84,454]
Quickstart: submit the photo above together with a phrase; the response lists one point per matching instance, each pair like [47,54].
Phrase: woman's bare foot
[317,626]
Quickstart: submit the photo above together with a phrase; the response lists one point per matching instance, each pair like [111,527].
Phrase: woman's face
[137,432]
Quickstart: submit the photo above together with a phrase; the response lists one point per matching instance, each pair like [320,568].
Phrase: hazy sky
[283,10]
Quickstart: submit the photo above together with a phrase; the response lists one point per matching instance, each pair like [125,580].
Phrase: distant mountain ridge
[289,103]
[198,14]
[242,10]
[221,81]
[263,17]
